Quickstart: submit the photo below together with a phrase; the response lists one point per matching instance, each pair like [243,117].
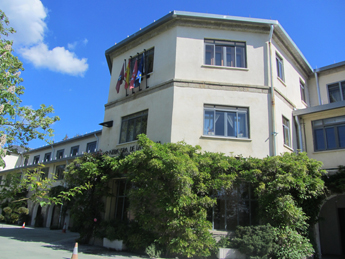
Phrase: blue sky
[62,44]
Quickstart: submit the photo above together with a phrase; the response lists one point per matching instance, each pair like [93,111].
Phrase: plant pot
[118,245]
[230,253]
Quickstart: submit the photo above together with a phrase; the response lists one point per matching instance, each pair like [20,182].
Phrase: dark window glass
[45,172]
[59,172]
[47,157]
[91,147]
[36,160]
[280,68]
[329,133]
[122,203]
[59,154]
[132,126]
[74,150]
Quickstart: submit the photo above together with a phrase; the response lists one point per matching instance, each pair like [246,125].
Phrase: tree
[18,124]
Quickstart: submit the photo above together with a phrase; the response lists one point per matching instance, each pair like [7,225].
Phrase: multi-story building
[54,158]
[234,85]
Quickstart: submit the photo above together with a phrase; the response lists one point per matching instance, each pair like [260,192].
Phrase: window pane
[330,138]
[231,211]
[219,56]
[230,56]
[149,61]
[220,123]
[130,131]
[137,127]
[231,124]
[123,132]
[119,207]
[209,123]
[242,125]
[334,120]
[302,92]
[341,136]
[240,57]
[343,89]
[209,55]
[219,213]
[319,139]
[243,213]
[144,124]
[334,93]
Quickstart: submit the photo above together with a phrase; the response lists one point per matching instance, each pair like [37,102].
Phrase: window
[226,121]
[148,65]
[336,92]
[329,133]
[59,172]
[74,150]
[0,179]
[59,154]
[225,53]
[91,147]
[36,160]
[235,207]
[286,131]
[132,126]
[44,172]
[122,203]
[47,157]
[26,161]
[302,88]
[280,67]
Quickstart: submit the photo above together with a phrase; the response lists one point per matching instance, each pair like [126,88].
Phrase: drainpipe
[274,133]
[299,134]
[52,152]
[318,87]
[96,141]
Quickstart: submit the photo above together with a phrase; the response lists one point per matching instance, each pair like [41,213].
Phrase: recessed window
[225,53]
[59,172]
[122,202]
[148,65]
[302,89]
[91,147]
[280,67]
[44,173]
[47,157]
[74,150]
[329,133]
[286,132]
[226,121]
[59,154]
[235,207]
[132,126]
[36,160]
[336,92]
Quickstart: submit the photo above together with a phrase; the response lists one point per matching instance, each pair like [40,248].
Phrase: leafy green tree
[18,124]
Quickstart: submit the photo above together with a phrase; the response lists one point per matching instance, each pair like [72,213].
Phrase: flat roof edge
[319,108]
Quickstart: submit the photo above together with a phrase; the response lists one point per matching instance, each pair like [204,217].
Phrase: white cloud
[73,45]
[58,59]
[27,17]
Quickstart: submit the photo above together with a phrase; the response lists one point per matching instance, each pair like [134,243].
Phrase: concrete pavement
[39,243]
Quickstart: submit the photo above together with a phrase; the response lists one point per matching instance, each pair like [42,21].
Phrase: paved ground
[42,243]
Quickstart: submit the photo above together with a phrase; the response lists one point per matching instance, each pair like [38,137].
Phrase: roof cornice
[182,15]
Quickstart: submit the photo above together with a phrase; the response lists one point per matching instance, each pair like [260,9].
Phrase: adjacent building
[234,85]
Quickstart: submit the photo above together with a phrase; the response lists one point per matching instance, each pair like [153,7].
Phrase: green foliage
[87,179]
[336,182]
[256,240]
[152,251]
[266,241]
[18,124]
[12,215]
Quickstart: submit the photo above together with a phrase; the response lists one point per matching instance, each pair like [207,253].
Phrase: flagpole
[145,69]
[125,78]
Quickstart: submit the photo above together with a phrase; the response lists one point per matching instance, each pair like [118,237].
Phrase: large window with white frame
[226,121]
[286,132]
[329,133]
[336,92]
[225,53]
[133,125]
[280,67]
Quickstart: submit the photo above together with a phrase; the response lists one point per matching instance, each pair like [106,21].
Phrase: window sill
[282,81]
[224,67]
[127,143]
[226,138]
[329,151]
[288,147]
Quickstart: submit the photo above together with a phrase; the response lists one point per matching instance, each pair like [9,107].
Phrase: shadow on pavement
[56,240]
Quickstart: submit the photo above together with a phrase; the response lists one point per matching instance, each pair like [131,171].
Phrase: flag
[140,71]
[121,77]
[127,74]
[134,74]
